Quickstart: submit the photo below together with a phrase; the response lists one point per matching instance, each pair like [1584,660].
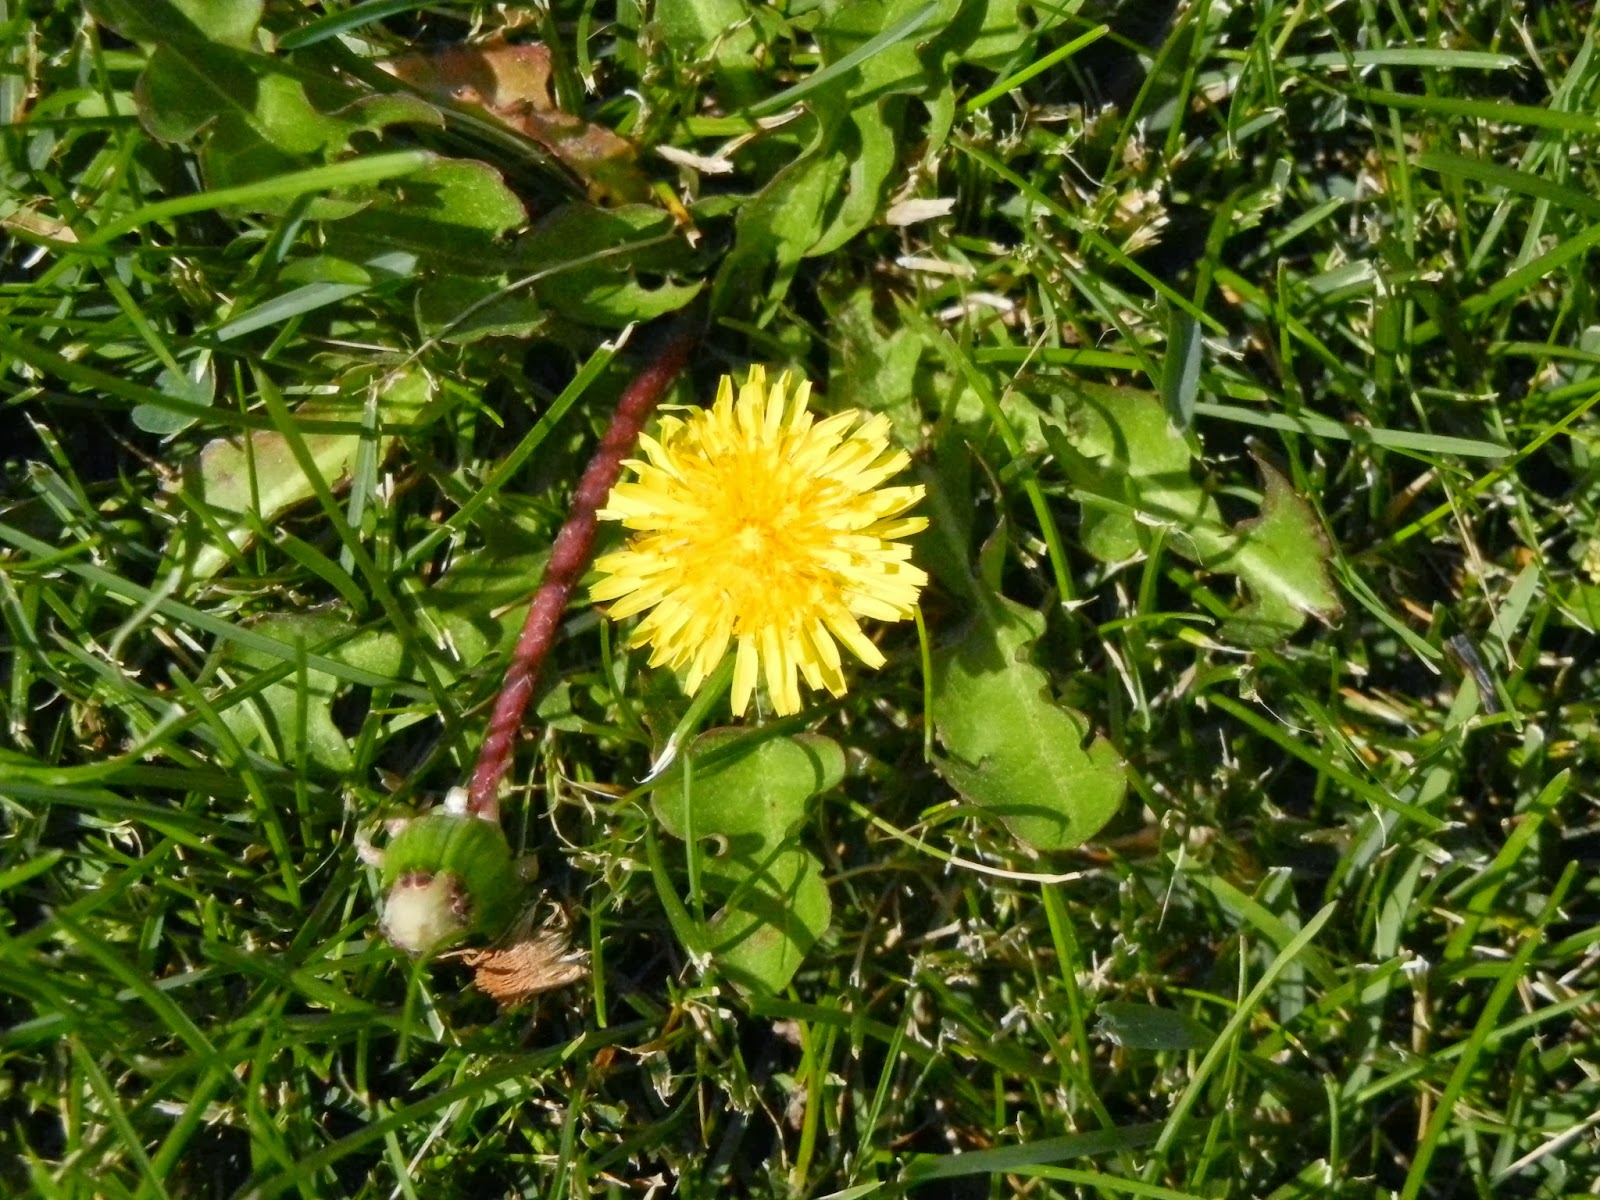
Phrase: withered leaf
[540,961]
[512,83]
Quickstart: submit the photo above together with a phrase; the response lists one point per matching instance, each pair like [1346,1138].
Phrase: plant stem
[568,559]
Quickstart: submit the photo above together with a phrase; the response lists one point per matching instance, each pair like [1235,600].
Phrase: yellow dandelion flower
[757,525]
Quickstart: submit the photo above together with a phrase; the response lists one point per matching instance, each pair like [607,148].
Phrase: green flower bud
[447,875]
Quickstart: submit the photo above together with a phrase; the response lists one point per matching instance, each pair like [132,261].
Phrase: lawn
[1220,820]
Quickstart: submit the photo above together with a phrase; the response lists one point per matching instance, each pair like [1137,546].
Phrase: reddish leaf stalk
[569,557]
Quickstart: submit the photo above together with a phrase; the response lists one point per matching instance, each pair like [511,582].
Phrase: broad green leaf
[288,721]
[291,722]
[912,64]
[753,799]
[1010,747]
[1134,472]
[580,263]
[238,98]
[243,482]
[451,216]
[235,152]
[459,308]
[255,116]
[1120,446]
[185,89]
[591,259]
[945,547]
[687,25]
[835,187]
[874,367]
[1002,33]
[196,385]
[151,22]
[776,911]
[870,145]
[1282,557]
[232,22]
[266,103]
[776,229]
[723,29]
[479,605]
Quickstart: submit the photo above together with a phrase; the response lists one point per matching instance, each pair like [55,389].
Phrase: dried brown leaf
[539,962]
[512,83]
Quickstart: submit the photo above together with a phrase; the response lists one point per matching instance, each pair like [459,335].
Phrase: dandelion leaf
[628,244]
[452,216]
[913,64]
[1135,474]
[724,31]
[690,25]
[868,143]
[231,22]
[1009,747]
[254,115]
[874,366]
[773,232]
[1119,446]
[197,385]
[513,84]
[463,309]
[242,484]
[292,721]
[851,144]
[1282,557]
[1002,34]
[743,806]
[596,266]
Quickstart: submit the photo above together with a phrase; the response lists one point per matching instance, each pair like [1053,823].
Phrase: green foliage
[567,246]
[292,720]
[1133,473]
[749,802]
[240,485]
[1145,1027]
[1013,749]
[1264,335]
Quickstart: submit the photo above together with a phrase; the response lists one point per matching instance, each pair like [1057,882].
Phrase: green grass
[1338,940]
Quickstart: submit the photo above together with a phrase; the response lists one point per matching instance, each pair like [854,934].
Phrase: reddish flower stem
[569,557]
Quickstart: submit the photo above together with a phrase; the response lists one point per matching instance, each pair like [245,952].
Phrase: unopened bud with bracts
[446,876]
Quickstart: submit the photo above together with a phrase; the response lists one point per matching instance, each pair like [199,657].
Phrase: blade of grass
[356,172]
[194,617]
[1037,67]
[1510,979]
[923,1168]
[835,70]
[1317,426]
[1290,953]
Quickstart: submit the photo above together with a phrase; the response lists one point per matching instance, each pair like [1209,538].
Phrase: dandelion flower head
[758,525]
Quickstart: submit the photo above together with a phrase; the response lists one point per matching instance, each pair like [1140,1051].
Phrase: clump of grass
[300,366]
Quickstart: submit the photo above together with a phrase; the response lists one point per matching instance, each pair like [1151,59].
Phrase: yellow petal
[744,674]
[758,523]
